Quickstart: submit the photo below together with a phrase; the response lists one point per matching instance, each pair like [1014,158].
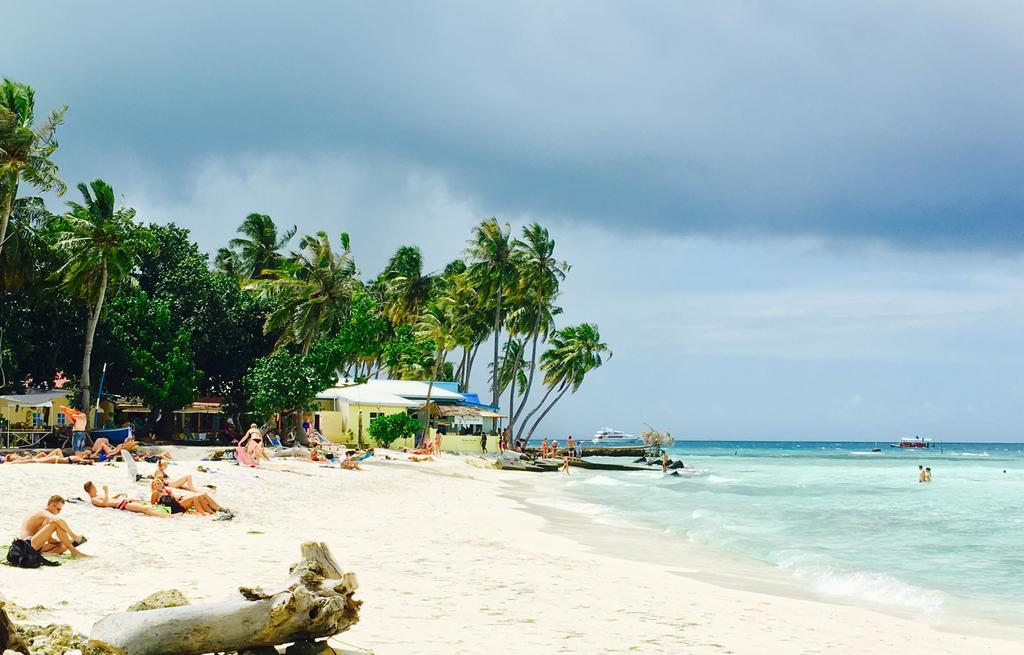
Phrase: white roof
[412,389]
[363,395]
[39,399]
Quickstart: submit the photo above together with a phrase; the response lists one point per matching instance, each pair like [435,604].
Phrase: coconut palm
[510,373]
[229,262]
[494,273]
[260,244]
[405,288]
[102,245]
[25,150]
[540,276]
[311,291]
[439,322]
[574,351]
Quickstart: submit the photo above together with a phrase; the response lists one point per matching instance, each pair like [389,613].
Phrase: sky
[794,220]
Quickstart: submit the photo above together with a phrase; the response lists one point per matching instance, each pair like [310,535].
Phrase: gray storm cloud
[898,122]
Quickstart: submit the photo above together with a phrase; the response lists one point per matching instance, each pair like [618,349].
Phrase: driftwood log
[316,601]
[9,639]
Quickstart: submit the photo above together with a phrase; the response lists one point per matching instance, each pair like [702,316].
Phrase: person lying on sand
[102,449]
[180,501]
[43,532]
[314,454]
[119,501]
[45,457]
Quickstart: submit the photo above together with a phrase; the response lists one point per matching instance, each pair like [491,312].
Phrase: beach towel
[243,457]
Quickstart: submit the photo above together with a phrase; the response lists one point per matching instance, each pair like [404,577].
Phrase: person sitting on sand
[314,453]
[544,448]
[118,501]
[350,463]
[44,533]
[184,482]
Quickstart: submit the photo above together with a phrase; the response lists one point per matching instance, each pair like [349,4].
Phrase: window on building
[37,419]
[374,415]
[60,418]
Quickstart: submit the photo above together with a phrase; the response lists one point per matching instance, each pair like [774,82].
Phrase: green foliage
[156,360]
[286,381]
[385,430]
[258,246]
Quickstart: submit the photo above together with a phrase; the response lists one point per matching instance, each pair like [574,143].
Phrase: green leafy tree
[573,352]
[510,373]
[102,245]
[157,360]
[388,429]
[289,382]
[407,355]
[259,245]
[494,273]
[25,150]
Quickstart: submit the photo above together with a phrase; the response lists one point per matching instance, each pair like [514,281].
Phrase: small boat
[610,438]
[114,435]
[912,442]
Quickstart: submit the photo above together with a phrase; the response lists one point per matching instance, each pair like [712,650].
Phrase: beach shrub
[385,430]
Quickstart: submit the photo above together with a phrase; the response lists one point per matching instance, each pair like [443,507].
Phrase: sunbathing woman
[184,482]
[181,501]
[44,457]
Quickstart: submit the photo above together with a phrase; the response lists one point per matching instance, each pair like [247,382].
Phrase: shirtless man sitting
[44,533]
[119,501]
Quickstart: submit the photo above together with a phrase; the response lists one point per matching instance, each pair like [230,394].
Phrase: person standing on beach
[565,465]
[570,446]
[544,448]
[78,421]
[664,462]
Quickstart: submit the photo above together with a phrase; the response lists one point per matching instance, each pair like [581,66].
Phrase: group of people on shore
[100,451]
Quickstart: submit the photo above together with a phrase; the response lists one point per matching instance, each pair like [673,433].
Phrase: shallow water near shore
[845,523]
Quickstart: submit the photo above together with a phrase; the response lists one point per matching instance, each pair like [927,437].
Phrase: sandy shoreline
[448,562]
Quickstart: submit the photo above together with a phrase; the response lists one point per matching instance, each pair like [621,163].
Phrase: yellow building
[346,410]
[34,411]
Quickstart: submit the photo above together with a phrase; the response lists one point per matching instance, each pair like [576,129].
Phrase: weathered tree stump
[316,601]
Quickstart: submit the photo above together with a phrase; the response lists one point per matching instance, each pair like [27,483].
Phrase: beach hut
[34,410]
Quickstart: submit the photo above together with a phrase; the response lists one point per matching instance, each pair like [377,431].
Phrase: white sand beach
[448,562]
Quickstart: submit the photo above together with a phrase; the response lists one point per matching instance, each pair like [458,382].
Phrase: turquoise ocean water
[845,521]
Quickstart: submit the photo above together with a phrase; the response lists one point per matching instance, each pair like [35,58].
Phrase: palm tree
[260,243]
[25,150]
[102,244]
[311,291]
[494,272]
[510,373]
[229,262]
[406,288]
[540,276]
[574,352]
[440,323]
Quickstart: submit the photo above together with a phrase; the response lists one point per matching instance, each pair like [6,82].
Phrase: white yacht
[611,438]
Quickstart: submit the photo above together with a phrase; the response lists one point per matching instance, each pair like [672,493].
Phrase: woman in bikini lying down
[119,501]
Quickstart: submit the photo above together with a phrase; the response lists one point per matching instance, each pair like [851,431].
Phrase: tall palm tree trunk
[5,215]
[90,334]
[469,367]
[529,434]
[529,379]
[536,409]
[497,335]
